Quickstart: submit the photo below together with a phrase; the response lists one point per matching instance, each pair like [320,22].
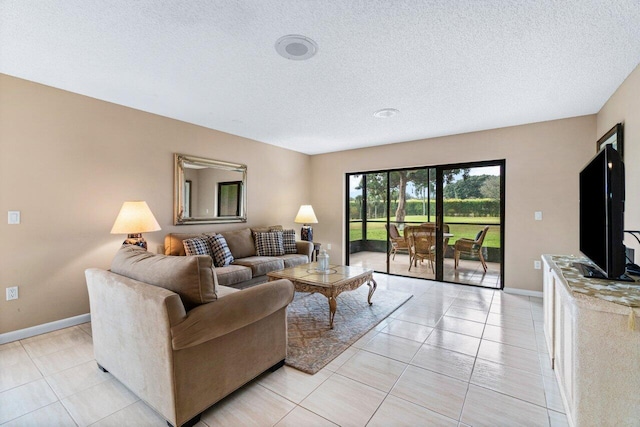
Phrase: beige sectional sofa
[248,268]
[177,339]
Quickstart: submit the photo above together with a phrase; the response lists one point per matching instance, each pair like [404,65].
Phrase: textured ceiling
[448,66]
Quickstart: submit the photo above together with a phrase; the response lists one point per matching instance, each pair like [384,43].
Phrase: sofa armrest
[305,248]
[234,311]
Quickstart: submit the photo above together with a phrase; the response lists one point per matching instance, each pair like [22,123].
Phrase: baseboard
[44,328]
[524,292]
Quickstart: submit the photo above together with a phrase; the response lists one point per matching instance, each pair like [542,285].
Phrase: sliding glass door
[368,212]
[471,211]
[416,222]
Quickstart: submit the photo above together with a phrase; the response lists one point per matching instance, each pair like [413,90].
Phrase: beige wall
[542,165]
[67,162]
[624,107]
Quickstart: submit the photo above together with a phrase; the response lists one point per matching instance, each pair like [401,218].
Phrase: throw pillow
[269,244]
[197,246]
[289,242]
[220,251]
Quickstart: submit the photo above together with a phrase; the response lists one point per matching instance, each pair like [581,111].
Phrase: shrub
[452,208]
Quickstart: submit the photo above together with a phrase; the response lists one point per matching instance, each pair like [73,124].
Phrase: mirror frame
[178,190]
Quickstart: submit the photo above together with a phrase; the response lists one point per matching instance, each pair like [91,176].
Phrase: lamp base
[306,233]
[137,240]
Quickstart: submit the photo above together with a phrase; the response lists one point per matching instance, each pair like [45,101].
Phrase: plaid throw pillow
[197,246]
[289,242]
[220,251]
[269,244]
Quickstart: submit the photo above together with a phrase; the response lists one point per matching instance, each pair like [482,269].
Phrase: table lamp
[306,216]
[134,219]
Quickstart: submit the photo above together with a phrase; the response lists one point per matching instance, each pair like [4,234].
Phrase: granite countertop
[623,293]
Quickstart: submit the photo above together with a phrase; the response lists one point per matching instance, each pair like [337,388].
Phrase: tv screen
[602,214]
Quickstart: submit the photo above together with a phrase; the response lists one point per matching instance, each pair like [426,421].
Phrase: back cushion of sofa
[192,278]
[267,229]
[240,242]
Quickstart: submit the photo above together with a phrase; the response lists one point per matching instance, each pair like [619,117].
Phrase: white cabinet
[594,353]
[548,288]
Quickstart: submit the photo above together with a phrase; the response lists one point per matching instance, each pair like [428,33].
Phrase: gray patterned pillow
[269,244]
[221,254]
[289,241]
[197,246]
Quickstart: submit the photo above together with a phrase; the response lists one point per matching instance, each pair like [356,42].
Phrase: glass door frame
[439,215]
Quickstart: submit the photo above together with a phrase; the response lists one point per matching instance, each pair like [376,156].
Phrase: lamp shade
[135,218]
[306,215]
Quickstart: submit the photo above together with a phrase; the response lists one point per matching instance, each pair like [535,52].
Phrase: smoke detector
[386,113]
[296,47]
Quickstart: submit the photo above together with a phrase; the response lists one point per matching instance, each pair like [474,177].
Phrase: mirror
[209,191]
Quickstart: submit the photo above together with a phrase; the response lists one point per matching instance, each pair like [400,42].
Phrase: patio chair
[421,244]
[471,247]
[398,243]
[445,241]
[445,229]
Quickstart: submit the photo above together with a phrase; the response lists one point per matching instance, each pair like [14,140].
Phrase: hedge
[452,207]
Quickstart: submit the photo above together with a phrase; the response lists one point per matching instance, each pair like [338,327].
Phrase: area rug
[312,345]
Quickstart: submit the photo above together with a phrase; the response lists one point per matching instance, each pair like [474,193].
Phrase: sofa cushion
[233,274]
[261,265]
[226,290]
[269,244]
[240,242]
[291,260]
[289,242]
[220,251]
[191,277]
[255,230]
[197,246]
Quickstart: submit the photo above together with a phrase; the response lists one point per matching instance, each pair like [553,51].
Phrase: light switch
[538,216]
[14,217]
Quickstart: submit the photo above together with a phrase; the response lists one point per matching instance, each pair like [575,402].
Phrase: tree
[469,188]
[422,184]
[402,195]
[420,179]
[376,192]
[377,187]
[491,187]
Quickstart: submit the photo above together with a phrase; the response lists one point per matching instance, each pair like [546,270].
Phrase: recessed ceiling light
[296,47]
[386,113]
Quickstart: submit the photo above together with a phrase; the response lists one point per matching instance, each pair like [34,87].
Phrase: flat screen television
[602,215]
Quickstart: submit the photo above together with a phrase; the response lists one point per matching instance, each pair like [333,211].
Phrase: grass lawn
[376,229]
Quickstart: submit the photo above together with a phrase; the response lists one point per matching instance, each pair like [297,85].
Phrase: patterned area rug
[312,345]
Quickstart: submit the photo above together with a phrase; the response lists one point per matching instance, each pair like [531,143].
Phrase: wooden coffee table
[338,279]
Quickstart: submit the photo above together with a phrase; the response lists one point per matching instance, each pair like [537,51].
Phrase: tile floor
[451,356]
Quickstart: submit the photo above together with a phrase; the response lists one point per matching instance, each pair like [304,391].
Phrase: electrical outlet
[537,265]
[14,217]
[328,246]
[12,293]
